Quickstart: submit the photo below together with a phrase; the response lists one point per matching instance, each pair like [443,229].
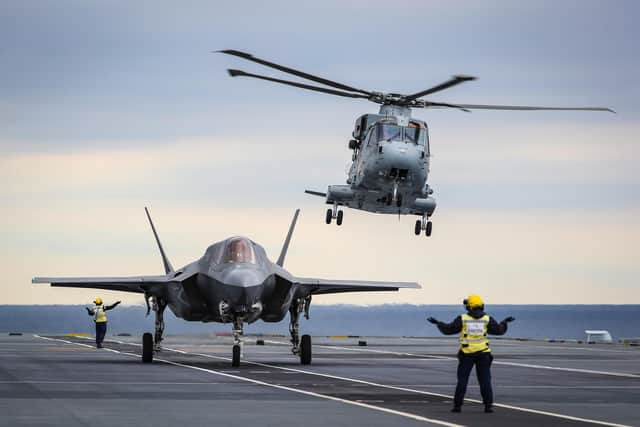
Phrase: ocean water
[532,321]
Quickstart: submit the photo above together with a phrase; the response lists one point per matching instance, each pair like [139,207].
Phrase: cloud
[108,108]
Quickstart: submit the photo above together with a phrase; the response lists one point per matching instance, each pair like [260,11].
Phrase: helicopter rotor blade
[428,104]
[295,72]
[519,107]
[455,80]
[240,73]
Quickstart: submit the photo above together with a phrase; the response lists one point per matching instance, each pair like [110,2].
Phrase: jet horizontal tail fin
[168,268]
[285,246]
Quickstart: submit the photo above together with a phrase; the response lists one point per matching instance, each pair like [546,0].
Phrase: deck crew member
[473,327]
[100,318]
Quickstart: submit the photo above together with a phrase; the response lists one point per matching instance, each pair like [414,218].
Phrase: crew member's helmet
[473,301]
[98,301]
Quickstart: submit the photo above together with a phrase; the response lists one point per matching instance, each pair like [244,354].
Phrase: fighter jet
[234,282]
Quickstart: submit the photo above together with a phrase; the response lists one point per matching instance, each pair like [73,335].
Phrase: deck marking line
[295,390]
[496,362]
[501,405]
[310,393]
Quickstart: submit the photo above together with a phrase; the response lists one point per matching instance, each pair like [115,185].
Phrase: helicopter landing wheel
[329,216]
[418,228]
[339,218]
[428,228]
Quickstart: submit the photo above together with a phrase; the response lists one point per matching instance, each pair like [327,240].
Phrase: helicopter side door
[365,155]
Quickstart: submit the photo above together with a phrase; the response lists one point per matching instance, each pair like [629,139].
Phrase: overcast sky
[106,107]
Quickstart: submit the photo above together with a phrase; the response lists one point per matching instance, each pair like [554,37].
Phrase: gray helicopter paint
[212,290]
[370,185]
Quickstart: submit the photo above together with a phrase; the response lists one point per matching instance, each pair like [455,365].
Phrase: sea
[532,321]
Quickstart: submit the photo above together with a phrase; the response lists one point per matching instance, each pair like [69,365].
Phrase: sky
[107,107]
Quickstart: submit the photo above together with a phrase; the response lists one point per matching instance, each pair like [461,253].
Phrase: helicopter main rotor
[408,101]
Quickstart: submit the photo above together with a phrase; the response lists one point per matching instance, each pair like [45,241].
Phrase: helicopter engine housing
[426,205]
[339,193]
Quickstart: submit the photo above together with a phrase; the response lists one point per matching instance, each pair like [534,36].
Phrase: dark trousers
[482,362]
[101,331]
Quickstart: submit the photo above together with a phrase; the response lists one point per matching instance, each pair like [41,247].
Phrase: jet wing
[323,286]
[139,284]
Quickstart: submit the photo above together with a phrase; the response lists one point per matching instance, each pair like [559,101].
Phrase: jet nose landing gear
[237,342]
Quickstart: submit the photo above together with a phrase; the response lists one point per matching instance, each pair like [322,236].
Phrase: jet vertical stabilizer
[285,246]
[168,268]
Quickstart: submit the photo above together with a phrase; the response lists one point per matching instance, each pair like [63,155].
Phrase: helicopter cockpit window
[239,250]
[415,135]
[388,133]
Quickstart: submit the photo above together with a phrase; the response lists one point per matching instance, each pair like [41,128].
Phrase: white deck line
[369,383]
[281,387]
[496,362]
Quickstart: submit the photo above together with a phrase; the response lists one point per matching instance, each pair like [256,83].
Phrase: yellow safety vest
[473,338]
[100,316]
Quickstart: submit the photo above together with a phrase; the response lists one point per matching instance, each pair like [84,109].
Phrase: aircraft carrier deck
[62,380]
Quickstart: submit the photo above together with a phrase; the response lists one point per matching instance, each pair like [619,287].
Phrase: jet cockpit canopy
[239,250]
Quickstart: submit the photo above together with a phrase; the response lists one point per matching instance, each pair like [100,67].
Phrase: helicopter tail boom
[316,193]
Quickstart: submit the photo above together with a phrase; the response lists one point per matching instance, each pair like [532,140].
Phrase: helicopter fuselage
[390,166]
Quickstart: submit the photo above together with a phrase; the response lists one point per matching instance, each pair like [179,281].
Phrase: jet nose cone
[242,277]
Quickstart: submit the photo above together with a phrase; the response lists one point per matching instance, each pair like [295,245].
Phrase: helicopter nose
[396,158]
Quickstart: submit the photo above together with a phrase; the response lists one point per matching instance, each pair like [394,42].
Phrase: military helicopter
[391,155]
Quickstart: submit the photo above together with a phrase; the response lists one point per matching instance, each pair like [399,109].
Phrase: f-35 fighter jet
[234,282]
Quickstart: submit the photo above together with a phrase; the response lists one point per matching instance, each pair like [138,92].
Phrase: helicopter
[390,150]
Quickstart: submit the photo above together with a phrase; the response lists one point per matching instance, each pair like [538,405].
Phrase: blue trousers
[482,362]
[101,331]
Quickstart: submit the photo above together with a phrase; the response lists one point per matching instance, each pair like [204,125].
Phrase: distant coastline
[532,321]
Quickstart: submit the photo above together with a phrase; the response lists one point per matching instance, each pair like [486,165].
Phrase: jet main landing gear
[151,343]
[158,307]
[300,347]
[147,347]
[334,213]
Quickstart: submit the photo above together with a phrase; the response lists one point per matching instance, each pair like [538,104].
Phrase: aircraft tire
[305,350]
[147,347]
[429,228]
[418,228]
[235,361]
[339,217]
[329,216]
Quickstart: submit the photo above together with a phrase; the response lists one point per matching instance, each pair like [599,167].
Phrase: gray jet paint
[234,282]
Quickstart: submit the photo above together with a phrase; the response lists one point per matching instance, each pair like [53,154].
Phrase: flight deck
[64,380]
